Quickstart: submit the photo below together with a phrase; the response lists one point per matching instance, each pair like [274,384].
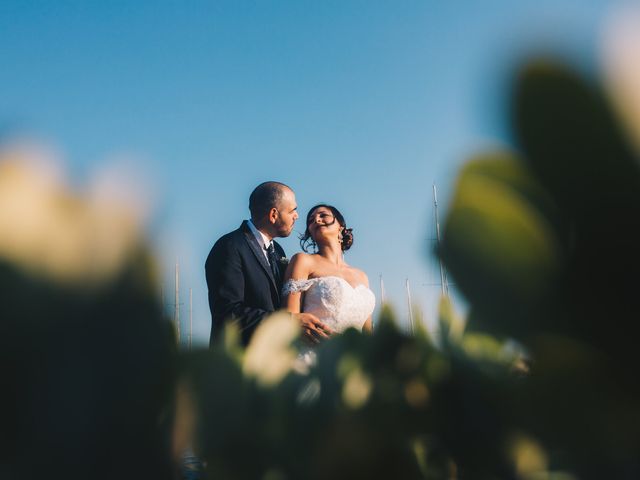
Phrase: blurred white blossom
[357,385]
[270,355]
[621,62]
[529,458]
[356,389]
[47,229]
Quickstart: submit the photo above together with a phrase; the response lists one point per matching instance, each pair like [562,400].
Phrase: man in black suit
[245,268]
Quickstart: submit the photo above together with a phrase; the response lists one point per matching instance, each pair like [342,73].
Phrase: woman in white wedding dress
[323,284]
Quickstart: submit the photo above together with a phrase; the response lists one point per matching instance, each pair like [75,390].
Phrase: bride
[323,284]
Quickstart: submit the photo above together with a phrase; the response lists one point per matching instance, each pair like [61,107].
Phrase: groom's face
[287,214]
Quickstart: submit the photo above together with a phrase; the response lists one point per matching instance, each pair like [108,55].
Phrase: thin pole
[443,272]
[190,317]
[410,307]
[176,312]
[382,294]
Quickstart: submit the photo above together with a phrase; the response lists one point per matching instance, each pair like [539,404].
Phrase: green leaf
[500,248]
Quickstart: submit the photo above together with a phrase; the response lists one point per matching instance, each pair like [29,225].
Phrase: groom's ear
[273,215]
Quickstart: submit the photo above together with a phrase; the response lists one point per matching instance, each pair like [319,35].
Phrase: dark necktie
[273,262]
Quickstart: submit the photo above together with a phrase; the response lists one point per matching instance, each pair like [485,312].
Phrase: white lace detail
[294,286]
[334,301]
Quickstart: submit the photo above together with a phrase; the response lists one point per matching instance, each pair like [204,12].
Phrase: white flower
[357,384]
[621,62]
[356,389]
[50,231]
[270,355]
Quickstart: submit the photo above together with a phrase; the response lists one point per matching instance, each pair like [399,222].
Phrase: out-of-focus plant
[389,405]
[544,245]
[86,360]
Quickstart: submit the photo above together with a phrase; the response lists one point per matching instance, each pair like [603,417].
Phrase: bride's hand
[313,330]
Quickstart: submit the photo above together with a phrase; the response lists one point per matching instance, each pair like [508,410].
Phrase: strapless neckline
[340,278]
[334,301]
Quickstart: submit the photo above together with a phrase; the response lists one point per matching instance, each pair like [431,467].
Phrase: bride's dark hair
[347,233]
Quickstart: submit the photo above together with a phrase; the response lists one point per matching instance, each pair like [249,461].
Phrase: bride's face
[323,225]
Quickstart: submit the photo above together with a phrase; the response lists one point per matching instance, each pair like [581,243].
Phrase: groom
[245,268]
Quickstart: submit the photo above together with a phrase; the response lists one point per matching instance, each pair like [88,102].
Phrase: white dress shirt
[261,238]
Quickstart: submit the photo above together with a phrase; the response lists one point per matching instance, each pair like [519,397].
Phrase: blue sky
[362,104]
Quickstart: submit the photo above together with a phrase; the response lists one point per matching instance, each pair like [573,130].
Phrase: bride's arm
[368,326]
[299,269]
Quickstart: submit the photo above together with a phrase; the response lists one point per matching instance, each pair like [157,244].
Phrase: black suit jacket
[241,285]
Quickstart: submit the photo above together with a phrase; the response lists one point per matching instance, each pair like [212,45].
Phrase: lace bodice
[334,301]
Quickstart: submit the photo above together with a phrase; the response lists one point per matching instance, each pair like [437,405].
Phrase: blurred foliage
[86,360]
[544,245]
[389,405]
[87,377]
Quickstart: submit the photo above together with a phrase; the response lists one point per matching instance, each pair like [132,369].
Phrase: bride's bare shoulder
[303,263]
[302,258]
[361,276]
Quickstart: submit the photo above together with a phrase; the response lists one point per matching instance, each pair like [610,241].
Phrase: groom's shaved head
[266,196]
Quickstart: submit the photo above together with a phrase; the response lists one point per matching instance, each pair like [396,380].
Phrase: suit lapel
[256,248]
